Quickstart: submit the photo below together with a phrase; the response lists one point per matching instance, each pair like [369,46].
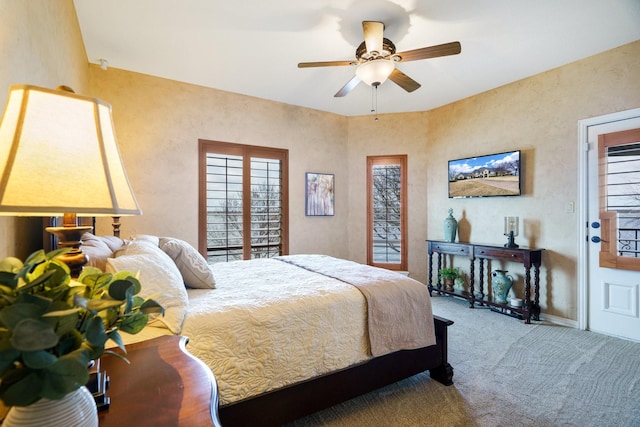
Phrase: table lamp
[59,157]
[511,225]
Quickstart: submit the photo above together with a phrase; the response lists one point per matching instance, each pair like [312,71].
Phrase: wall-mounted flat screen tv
[486,176]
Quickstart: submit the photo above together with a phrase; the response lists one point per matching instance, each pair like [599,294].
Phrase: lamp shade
[59,154]
[375,72]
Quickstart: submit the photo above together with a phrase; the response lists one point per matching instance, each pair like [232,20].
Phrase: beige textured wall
[40,44]
[159,122]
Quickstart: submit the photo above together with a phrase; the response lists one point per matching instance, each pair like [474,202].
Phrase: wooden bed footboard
[297,400]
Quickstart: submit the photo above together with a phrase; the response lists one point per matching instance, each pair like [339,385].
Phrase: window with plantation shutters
[386,211]
[243,201]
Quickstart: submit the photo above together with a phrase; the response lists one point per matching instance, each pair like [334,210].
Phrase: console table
[526,256]
[163,386]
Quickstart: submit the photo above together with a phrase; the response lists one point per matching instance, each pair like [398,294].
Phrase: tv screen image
[485,176]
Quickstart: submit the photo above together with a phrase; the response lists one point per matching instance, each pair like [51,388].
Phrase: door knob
[595,239]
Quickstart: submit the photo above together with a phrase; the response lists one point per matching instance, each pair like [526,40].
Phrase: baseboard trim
[562,321]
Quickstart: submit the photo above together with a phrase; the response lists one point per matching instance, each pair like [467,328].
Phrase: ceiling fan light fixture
[375,72]
[376,57]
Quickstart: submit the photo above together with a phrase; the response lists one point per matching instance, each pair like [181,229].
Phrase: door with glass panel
[614,228]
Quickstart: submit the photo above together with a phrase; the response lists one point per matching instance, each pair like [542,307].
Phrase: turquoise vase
[450,227]
[501,283]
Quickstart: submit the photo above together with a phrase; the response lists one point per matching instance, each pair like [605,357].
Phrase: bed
[284,336]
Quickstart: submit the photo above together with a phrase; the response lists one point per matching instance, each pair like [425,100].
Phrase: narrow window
[243,201]
[386,211]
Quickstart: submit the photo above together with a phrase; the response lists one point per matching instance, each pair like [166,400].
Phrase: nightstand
[162,386]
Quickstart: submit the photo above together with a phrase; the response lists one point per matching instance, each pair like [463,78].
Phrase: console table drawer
[498,253]
[450,248]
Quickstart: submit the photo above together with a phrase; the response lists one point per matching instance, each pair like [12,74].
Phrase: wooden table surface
[162,386]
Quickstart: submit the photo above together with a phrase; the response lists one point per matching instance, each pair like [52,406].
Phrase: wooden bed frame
[297,400]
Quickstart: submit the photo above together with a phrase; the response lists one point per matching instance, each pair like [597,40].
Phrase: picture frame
[319,194]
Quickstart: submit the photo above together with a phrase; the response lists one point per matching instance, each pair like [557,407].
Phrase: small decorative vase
[76,409]
[458,284]
[501,283]
[450,227]
[448,284]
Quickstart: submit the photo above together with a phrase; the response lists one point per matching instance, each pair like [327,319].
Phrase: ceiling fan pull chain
[373,108]
[374,100]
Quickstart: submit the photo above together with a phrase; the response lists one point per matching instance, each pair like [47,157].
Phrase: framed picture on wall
[319,198]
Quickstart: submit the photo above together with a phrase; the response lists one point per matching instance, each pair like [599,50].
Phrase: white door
[613,228]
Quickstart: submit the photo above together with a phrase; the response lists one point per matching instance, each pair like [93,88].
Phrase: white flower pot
[77,408]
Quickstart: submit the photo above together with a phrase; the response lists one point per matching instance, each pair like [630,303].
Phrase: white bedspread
[269,323]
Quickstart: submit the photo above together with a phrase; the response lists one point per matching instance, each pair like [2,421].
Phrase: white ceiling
[253,47]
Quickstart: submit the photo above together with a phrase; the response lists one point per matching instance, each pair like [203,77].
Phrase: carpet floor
[507,373]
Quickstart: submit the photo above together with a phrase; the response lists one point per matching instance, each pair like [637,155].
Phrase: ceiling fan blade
[373,32]
[446,49]
[404,81]
[348,87]
[324,64]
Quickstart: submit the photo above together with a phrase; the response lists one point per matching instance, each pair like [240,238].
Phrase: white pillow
[160,279]
[96,250]
[146,238]
[195,271]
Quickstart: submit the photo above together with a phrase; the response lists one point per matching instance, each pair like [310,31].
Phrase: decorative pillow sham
[195,271]
[160,280]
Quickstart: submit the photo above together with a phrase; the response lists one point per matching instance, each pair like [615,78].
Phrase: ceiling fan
[376,59]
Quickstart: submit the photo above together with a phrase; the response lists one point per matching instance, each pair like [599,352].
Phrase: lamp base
[116,226]
[510,243]
[71,237]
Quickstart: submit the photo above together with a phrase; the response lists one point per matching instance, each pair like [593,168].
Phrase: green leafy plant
[52,326]
[449,273]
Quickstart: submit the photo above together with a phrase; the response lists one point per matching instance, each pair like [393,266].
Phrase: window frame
[398,159]
[246,152]
[609,256]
